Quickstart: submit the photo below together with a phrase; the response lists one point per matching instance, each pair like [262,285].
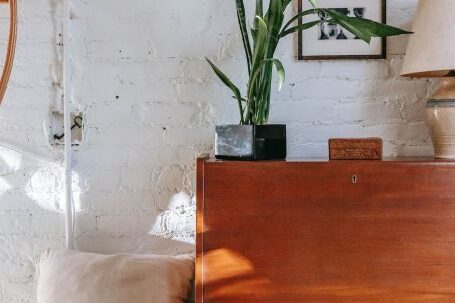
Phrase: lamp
[431,54]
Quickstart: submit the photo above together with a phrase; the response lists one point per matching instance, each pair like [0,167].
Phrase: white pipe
[69,205]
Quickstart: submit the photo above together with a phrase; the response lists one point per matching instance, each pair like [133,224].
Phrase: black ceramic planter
[250,142]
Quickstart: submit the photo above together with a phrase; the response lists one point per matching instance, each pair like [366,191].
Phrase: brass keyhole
[354,179]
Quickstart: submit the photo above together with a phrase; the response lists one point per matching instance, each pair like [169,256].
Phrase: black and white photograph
[332,31]
[330,41]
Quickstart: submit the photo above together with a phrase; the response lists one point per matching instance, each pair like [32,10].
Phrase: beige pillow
[74,277]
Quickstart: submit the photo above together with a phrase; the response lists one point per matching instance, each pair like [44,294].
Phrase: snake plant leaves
[275,20]
[279,68]
[225,79]
[261,34]
[274,10]
[260,46]
[255,77]
[259,13]
[280,72]
[259,8]
[363,28]
[235,90]
[299,15]
[300,27]
[244,32]
[285,4]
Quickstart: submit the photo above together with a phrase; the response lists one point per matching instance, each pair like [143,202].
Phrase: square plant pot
[250,142]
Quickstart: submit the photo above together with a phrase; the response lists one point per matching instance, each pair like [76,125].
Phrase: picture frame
[315,43]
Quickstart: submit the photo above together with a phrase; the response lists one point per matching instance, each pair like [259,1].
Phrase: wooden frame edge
[11,50]
[382,56]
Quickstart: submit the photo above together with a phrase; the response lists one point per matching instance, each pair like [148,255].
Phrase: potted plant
[253,138]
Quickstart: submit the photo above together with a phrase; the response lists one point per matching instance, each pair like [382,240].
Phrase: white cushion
[68,276]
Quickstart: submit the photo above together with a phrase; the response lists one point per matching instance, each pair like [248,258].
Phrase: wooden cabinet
[326,232]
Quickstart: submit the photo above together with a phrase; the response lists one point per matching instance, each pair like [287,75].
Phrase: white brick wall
[151,103]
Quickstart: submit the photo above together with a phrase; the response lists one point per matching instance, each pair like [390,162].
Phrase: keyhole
[354,179]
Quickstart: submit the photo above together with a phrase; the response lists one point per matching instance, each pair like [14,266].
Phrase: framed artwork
[328,41]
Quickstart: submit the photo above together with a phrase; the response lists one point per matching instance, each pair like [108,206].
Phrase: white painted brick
[189,136]
[127,224]
[113,137]
[170,178]
[158,158]
[139,179]
[106,159]
[166,114]
[117,201]
[355,70]
[99,180]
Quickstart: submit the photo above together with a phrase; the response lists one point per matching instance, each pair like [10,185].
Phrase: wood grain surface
[355,149]
[326,232]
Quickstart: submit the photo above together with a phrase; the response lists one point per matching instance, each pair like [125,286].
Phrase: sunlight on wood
[230,273]
[228,263]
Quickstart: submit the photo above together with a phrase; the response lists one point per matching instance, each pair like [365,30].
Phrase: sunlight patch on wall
[46,188]
[4,185]
[178,219]
[12,160]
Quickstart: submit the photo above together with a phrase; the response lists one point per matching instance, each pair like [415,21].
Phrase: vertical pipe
[69,206]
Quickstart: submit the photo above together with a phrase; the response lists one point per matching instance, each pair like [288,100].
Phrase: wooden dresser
[326,232]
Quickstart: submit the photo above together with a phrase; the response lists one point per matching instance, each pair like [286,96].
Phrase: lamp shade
[431,49]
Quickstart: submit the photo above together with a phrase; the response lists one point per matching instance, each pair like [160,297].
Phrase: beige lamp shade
[431,49]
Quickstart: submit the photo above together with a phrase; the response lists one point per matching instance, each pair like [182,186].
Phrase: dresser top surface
[426,160]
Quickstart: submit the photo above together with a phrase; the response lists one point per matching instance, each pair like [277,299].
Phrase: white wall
[151,103]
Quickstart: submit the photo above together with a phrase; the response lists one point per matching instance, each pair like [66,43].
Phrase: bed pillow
[77,277]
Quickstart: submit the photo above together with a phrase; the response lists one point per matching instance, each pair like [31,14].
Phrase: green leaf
[241,99]
[258,106]
[259,13]
[275,18]
[230,85]
[376,29]
[275,7]
[349,24]
[313,3]
[244,31]
[261,33]
[224,78]
[300,27]
[285,4]
[259,8]
[299,15]
[363,28]
[280,71]
[254,35]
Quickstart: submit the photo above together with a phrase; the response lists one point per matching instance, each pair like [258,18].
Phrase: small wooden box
[355,149]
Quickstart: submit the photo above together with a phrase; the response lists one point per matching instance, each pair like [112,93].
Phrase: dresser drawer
[327,232]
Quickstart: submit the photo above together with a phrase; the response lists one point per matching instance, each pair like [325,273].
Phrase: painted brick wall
[151,102]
